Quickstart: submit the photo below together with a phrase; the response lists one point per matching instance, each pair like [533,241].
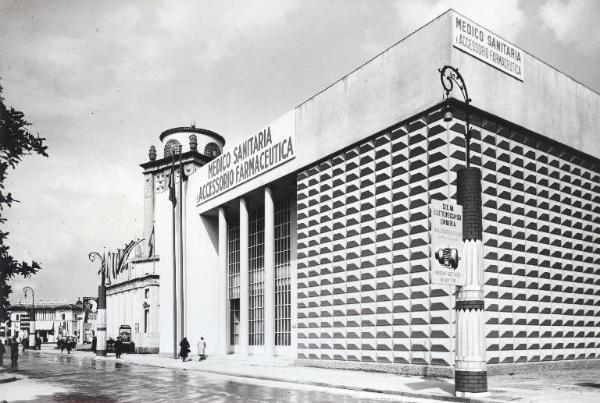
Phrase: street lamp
[101,318]
[470,374]
[32,321]
[449,76]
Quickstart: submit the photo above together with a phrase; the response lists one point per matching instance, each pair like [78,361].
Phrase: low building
[52,320]
[133,304]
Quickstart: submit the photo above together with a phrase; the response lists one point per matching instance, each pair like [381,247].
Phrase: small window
[146,319]
[146,293]
[172,148]
[212,150]
[63,316]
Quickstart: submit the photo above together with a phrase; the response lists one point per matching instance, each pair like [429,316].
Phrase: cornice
[191,129]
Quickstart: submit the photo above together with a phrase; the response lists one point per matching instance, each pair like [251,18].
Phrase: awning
[44,325]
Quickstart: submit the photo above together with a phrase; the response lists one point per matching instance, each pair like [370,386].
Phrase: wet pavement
[80,379]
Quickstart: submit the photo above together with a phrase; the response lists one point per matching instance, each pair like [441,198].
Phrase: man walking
[118,346]
[69,345]
[2,351]
[14,352]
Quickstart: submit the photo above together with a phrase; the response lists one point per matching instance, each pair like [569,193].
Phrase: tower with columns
[166,201]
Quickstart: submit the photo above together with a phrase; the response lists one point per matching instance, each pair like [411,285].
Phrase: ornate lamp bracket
[449,76]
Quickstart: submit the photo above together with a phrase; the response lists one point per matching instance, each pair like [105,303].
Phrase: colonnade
[269,277]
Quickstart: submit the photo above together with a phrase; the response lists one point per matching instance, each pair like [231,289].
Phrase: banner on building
[257,154]
[446,262]
[486,46]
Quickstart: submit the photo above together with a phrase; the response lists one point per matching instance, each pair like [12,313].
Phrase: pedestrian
[38,343]
[14,352]
[25,342]
[184,349]
[118,345]
[2,351]
[94,343]
[61,344]
[202,349]
[69,345]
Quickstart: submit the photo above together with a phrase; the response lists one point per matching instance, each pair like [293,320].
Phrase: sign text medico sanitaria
[486,46]
[255,155]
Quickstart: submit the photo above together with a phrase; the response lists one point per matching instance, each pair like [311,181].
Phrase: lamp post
[470,375]
[449,76]
[32,320]
[101,318]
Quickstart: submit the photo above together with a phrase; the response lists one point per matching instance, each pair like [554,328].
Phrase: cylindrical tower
[191,138]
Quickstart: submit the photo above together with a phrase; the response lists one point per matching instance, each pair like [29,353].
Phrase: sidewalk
[555,386]
[15,386]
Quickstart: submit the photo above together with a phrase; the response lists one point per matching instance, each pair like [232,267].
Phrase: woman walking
[184,349]
[202,349]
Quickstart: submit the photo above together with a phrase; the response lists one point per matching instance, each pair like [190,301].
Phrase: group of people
[12,345]
[37,346]
[66,343]
[185,350]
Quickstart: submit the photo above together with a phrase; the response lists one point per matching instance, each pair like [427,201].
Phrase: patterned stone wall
[541,217]
[363,248]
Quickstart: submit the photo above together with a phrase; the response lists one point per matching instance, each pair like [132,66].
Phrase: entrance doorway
[234,322]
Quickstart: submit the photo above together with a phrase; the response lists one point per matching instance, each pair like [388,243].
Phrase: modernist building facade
[311,239]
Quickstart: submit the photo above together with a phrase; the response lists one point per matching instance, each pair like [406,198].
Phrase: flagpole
[181,284]
[172,181]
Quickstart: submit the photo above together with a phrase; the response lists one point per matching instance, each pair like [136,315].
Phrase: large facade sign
[446,243]
[486,46]
[271,147]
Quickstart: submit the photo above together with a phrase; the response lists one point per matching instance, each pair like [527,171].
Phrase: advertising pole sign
[486,46]
[257,154]
[446,243]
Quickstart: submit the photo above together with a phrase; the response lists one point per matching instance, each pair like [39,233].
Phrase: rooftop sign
[257,154]
[486,46]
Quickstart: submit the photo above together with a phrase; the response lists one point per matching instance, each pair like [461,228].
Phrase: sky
[100,80]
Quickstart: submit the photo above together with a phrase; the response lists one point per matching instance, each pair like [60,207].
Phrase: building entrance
[268,324]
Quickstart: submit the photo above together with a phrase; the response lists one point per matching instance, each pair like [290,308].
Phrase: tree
[16,141]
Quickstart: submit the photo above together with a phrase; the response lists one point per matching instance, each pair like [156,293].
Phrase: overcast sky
[101,79]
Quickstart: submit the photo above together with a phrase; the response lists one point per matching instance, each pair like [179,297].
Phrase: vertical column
[269,291]
[294,269]
[470,376]
[149,215]
[101,324]
[243,277]
[223,294]
[182,280]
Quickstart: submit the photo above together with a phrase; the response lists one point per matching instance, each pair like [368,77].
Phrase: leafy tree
[16,141]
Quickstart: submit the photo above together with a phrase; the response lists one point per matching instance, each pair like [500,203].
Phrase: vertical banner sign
[446,243]
[486,46]
[257,154]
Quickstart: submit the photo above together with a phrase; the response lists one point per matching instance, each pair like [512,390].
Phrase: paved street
[48,376]
[73,378]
